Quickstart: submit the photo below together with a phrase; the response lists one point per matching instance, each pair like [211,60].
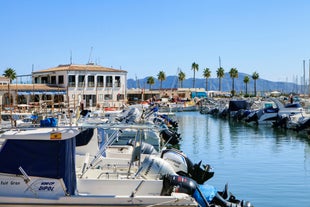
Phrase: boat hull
[108,201]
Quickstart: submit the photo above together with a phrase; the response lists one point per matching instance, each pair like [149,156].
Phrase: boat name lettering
[47,186]
[47,183]
[12,182]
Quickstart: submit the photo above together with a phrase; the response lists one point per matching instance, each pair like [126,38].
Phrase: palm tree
[181,77]
[10,73]
[161,77]
[207,75]
[195,67]
[150,81]
[220,74]
[255,76]
[246,80]
[233,73]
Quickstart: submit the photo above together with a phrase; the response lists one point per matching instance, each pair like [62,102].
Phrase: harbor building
[70,86]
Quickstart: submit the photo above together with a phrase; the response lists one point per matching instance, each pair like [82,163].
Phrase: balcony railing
[71,84]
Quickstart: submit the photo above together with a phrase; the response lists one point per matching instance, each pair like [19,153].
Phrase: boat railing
[87,165]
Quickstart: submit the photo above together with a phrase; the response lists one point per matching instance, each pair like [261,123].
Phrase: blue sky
[271,37]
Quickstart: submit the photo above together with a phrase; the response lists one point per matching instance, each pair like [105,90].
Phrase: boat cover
[236,105]
[84,137]
[48,122]
[42,158]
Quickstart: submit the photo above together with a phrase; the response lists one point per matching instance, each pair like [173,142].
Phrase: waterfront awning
[41,92]
[201,94]
[55,93]
[23,93]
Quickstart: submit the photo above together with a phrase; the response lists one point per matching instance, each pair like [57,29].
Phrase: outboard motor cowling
[146,148]
[182,165]
[154,167]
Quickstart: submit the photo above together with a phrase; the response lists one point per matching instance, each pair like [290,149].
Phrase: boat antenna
[70,57]
[304,77]
[309,79]
[220,64]
[137,82]
[90,54]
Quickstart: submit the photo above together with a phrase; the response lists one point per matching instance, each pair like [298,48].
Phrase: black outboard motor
[177,183]
[205,195]
[184,166]
[302,125]
[238,114]
[281,121]
[241,114]
[159,121]
[214,111]
[252,117]
[150,111]
[224,113]
[173,123]
[170,136]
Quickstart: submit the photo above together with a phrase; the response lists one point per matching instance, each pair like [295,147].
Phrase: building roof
[2,78]
[30,87]
[73,67]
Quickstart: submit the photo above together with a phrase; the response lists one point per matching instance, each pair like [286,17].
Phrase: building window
[53,79]
[99,81]
[120,97]
[44,80]
[108,97]
[61,79]
[71,81]
[81,80]
[91,81]
[100,97]
[109,81]
[117,81]
[90,100]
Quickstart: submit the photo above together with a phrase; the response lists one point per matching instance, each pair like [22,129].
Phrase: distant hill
[213,84]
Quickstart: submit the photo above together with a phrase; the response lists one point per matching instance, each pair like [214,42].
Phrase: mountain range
[262,85]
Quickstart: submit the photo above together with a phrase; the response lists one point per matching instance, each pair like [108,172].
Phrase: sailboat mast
[304,77]
[220,64]
[309,80]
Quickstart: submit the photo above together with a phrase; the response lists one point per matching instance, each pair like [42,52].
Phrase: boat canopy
[236,105]
[42,158]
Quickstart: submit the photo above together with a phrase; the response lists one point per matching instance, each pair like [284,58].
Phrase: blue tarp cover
[43,158]
[208,192]
[49,122]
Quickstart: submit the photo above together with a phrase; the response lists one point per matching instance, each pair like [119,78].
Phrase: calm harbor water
[266,166]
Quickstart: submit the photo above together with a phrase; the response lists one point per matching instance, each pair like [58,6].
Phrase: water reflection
[265,165]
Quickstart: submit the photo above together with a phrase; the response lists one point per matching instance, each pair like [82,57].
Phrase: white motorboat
[115,160]
[15,119]
[38,168]
[271,110]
